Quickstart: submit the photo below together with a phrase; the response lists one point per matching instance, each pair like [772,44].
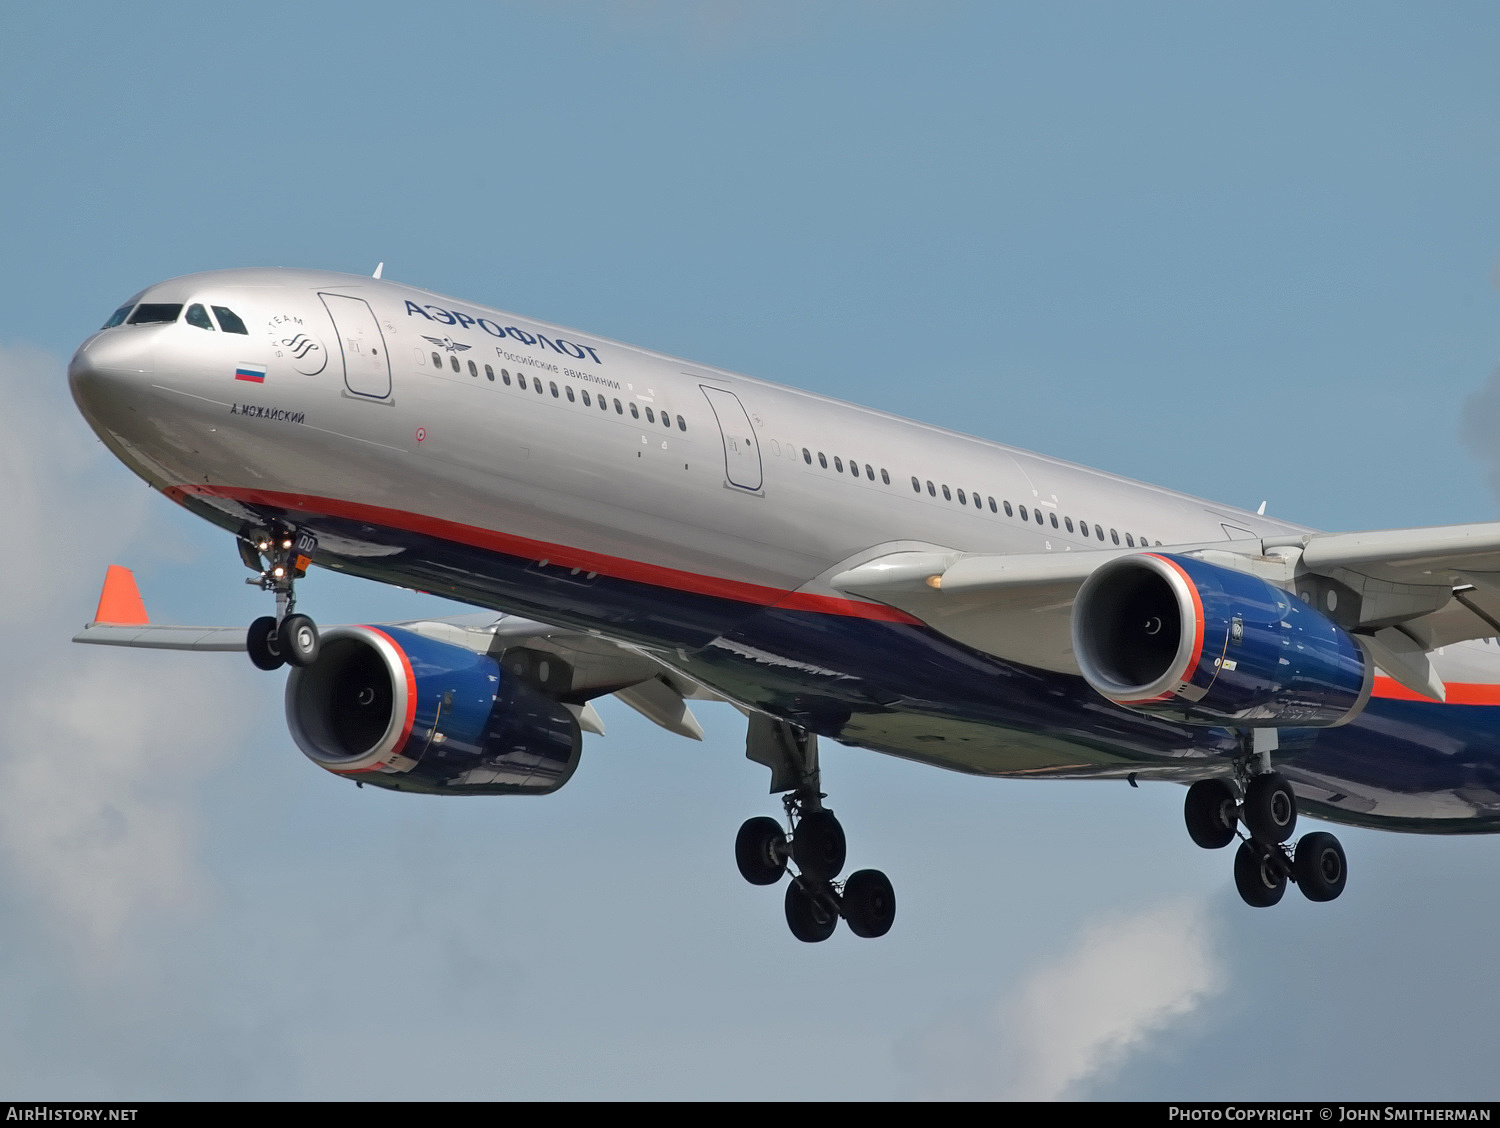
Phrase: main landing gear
[812,841]
[1267,807]
[280,556]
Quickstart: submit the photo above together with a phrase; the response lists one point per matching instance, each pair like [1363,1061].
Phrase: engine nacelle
[389,707]
[1182,638]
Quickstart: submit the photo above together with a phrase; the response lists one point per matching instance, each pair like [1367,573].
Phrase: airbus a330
[633,524]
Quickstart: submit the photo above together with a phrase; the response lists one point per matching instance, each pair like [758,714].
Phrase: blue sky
[1247,252]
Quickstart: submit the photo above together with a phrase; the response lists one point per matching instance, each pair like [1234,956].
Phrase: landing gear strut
[280,556]
[1267,807]
[813,840]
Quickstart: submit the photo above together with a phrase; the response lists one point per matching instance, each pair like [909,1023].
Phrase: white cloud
[98,751]
[1076,1018]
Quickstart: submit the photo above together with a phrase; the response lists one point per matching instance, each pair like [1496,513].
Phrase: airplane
[633,524]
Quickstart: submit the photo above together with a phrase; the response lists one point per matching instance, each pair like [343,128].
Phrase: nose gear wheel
[280,556]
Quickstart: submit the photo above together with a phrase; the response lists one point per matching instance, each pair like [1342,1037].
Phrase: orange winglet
[120,601]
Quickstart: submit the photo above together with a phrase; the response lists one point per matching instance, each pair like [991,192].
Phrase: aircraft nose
[108,370]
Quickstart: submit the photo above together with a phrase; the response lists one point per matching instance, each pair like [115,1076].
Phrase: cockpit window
[119,315]
[149,313]
[229,321]
[197,315]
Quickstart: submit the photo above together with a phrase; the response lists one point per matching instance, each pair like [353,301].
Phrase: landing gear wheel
[298,638]
[261,642]
[1319,866]
[760,850]
[869,903]
[1210,813]
[811,920]
[1270,809]
[818,845]
[1258,876]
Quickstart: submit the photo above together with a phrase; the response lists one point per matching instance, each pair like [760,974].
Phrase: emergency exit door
[367,367]
[741,450]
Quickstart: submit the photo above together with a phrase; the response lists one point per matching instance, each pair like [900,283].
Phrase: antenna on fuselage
[378,269]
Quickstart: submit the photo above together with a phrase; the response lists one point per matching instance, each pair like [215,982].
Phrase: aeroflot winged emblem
[448,343]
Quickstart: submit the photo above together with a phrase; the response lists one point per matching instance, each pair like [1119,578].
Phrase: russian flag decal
[255,373]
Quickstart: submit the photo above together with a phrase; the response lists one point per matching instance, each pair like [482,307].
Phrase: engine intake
[392,708]
[1179,637]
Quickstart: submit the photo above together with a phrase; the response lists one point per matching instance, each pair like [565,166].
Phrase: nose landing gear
[280,556]
[813,841]
[1267,806]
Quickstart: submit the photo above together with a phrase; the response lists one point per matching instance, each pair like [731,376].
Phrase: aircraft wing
[595,666]
[1407,590]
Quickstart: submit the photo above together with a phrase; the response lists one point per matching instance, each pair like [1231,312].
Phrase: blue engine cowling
[391,708]
[1178,637]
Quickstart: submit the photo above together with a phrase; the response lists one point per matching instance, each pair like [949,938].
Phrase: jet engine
[1178,637]
[388,707]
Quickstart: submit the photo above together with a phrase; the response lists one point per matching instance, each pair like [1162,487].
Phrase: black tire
[1210,813]
[811,920]
[869,903]
[1270,809]
[1319,866]
[298,639]
[818,846]
[261,642]
[1257,876]
[760,851]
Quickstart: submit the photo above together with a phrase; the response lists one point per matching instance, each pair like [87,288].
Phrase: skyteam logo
[447,343]
[293,341]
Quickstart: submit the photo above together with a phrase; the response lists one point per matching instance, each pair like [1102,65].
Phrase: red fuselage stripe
[561,555]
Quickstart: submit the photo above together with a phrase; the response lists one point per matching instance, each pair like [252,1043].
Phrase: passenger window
[473,369]
[505,376]
[931,489]
[119,316]
[962,498]
[977,503]
[1068,521]
[807,456]
[453,360]
[586,401]
[869,472]
[198,316]
[992,506]
[1008,511]
[682,424]
[635,411]
[553,385]
[603,404]
[838,464]
[916,485]
[884,477]
[1037,513]
[946,495]
[571,397]
[1129,541]
[489,373]
[1114,536]
[229,321]
[1053,518]
[154,313]
[437,361]
[1083,527]
[650,416]
[1025,516]
[1098,532]
[618,409]
[521,380]
[536,386]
